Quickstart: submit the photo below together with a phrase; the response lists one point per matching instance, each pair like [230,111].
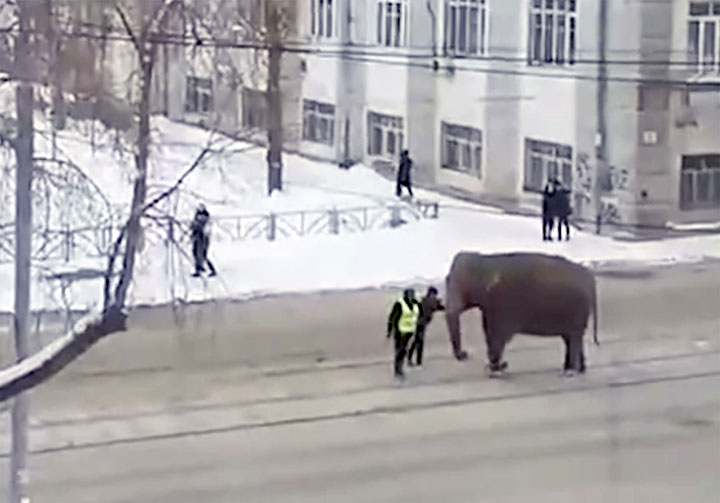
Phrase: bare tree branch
[128,29]
[112,318]
[57,355]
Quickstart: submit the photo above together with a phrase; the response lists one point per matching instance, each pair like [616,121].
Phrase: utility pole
[601,161]
[23,145]
[274,98]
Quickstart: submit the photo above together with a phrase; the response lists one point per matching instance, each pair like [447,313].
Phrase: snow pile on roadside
[420,252]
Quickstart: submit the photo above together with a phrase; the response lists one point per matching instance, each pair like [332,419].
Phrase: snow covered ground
[232,182]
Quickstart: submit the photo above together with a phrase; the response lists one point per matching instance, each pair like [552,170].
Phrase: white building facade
[618,100]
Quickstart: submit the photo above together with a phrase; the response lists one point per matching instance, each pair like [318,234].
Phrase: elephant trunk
[595,312]
[453,323]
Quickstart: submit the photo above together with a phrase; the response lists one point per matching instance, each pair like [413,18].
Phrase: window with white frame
[385,135]
[546,161]
[392,24]
[552,36]
[700,182]
[461,148]
[254,108]
[198,95]
[466,24]
[704,36]
[318,122]
[322,17]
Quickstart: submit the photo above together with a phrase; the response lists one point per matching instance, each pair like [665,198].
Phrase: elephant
[530,293]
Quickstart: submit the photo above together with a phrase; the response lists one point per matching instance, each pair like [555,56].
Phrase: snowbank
[420,252]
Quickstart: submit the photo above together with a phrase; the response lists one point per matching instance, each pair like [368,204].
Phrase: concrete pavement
[236,407]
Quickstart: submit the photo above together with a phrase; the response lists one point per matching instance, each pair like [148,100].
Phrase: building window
[704,36]
[461,148]
[700,182]
[198,96]
[385,135]
[552,32]
[466,26]
[318,122]
[254,108]
[546,161]
[322,15]
[392,23]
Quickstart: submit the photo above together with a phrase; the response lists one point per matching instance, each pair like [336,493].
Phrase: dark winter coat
[428,306]
[549,202]
[562,205]
[197,227]
[404,169]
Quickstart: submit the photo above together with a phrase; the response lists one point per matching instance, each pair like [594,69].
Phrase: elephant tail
[595,313]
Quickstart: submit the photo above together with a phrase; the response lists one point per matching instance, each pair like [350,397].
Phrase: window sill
[551,65]
[709,78]
[533,190]
[701,207]
[467,55]
[318,142]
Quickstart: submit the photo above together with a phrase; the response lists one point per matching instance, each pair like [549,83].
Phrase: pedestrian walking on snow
[403,177]
[402,324]
[428,306]
[200,235]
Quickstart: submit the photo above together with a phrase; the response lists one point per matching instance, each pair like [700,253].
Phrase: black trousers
[200,250]
[400,185]
[401,344]
[548,224]
[563,222]
[418,345]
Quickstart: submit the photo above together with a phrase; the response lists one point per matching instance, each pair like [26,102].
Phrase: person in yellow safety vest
[402,323]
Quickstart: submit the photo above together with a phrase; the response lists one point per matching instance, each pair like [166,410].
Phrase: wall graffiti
[619,179]
[582,184]
[609,212]
[614,181]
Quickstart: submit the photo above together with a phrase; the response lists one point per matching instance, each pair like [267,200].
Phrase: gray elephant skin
[528,293]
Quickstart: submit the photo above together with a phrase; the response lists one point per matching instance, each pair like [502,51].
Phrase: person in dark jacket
[403,177]
[402,323]
[548,210]
[563,210]
[200,234]
[428,306]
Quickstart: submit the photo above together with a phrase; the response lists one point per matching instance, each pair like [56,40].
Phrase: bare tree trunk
[58,101]
[274,98]
[23,241]
[140,188]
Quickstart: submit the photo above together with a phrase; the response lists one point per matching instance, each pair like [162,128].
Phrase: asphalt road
[291,399]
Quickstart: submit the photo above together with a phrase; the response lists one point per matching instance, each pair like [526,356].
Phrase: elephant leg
[496,337]
[575,355]
[453,308]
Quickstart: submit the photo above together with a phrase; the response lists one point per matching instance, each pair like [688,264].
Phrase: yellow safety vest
[407,324]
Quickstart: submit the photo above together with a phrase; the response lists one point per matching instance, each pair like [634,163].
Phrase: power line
[381,57]
[169,38]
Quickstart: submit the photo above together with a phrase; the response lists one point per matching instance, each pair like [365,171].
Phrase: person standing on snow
[402,323]
[403,177]
[428,305]
[548,211]
[563,210]
[200,232]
